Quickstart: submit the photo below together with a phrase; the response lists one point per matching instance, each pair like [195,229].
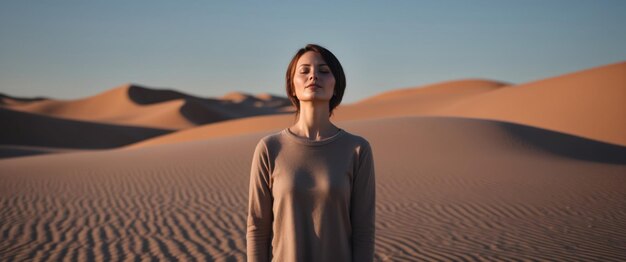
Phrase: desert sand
[470,169]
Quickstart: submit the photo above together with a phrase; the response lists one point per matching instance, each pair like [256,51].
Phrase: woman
[312,187]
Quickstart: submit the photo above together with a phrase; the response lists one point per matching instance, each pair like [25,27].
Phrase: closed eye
[322,69]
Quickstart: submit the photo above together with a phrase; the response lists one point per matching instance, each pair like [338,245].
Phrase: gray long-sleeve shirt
[311,200]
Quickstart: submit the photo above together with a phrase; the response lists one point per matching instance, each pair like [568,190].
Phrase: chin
[315,98]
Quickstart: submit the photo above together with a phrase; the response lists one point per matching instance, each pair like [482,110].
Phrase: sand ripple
[448,190]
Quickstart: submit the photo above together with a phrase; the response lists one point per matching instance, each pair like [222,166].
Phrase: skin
[313,122]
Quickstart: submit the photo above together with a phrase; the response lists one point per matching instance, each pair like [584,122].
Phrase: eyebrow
[310,65]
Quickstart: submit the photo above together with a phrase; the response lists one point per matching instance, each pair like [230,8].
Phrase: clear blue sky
[73,49]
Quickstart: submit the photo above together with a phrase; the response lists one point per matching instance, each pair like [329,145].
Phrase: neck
[313,121]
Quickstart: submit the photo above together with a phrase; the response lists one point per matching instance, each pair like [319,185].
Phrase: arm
[260,216]
[363,207]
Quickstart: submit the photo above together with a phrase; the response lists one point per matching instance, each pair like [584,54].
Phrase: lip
[313,86]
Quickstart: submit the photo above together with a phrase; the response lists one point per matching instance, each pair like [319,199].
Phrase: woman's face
[313,79]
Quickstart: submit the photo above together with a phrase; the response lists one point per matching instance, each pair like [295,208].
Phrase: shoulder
[362,150]
[268,141]
[359,142]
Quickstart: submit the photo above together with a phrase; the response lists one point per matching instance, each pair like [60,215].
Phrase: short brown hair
[335,68]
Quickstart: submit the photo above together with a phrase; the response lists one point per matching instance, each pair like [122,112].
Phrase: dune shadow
[202,111]
[10,152]
[144,96]
[20,99]
[28,129]
[567,145]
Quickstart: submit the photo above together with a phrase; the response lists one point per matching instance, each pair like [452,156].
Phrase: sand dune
[447,189]
[222,129]
[405,102]
[442,91]
[27,129]
[424,100]
[589,103]
[471,169]
[140,106]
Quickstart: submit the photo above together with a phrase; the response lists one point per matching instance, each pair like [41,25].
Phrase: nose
[313,75]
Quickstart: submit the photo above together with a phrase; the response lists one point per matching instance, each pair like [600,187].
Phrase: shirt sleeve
[363,207]
[260,215]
